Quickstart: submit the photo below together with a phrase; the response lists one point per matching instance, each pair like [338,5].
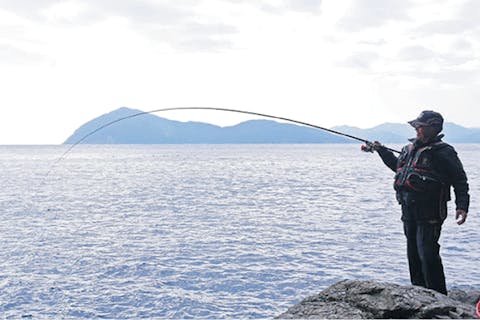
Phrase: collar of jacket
[418,144]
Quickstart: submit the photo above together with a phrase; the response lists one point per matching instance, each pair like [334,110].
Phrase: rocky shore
[354,299]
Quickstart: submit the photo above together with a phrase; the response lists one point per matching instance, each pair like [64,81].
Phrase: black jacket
[444,161]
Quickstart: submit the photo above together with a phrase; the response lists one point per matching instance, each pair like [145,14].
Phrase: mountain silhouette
[152,129]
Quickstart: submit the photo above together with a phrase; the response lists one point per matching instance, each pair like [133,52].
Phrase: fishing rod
[369,146]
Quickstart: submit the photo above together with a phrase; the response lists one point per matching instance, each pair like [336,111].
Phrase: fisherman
[425,171]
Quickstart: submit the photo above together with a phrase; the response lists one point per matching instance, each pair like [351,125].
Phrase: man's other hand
[460,216]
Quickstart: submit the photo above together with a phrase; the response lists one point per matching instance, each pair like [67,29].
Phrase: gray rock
[470,296]
[354,299]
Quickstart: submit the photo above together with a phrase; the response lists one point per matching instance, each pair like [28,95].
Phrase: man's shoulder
[439,144]
[442,145]
[443,148]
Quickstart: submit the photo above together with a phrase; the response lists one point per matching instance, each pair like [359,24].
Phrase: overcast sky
[328,62]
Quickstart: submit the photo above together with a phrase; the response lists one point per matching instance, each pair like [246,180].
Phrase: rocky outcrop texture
[354,299]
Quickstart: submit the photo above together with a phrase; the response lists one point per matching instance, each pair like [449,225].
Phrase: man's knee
[429,253]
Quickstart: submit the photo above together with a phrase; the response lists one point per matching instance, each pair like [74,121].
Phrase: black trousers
[423,252]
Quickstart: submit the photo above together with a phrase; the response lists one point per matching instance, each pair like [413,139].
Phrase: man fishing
[425,171]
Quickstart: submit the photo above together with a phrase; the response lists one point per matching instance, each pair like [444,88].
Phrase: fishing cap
[428,118]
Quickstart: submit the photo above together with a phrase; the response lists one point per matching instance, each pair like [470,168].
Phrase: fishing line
[62,303]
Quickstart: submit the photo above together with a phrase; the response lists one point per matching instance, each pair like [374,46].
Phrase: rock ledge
[354,299]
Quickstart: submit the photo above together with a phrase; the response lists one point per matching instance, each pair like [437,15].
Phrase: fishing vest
[416,172]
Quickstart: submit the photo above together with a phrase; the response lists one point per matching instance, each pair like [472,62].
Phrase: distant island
[152,129]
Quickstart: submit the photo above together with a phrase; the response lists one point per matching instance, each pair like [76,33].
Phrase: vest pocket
[422,183]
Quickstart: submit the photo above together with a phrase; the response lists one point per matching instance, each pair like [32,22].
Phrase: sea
[204,231]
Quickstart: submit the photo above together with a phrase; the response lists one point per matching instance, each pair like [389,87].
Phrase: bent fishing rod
[368,147]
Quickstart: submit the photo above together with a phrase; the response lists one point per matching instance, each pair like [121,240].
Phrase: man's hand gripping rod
[375,146]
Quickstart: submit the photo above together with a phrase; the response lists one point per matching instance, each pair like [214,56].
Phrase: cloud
[361,60]
[187,25]
[463,20]
[175,23]
[204,44]
[201,29]
[145,12]
[456,77]
[471,12]
[417,62]
[373,42]
[13,55]
[374,13]
[460,54]
[454,26]
[462,45]
[27,8]
[195,36]
[305,6]
[440,68]
[283,6]
[416,53]
[139,10]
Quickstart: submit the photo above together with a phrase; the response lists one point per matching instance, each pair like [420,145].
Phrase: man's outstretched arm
[387,156]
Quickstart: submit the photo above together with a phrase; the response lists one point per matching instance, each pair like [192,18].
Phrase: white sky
[328,62]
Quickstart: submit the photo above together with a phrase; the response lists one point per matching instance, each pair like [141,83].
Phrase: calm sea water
[204,231]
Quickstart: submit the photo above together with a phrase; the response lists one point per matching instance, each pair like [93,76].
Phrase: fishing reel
[370,146]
